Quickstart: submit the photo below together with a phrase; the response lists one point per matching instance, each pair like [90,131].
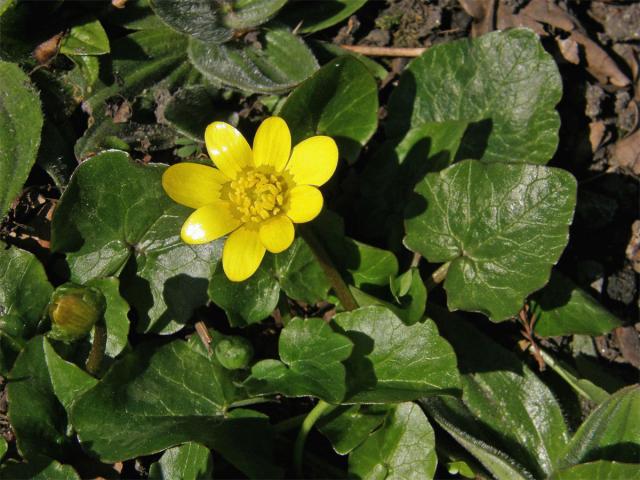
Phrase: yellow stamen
[256,194]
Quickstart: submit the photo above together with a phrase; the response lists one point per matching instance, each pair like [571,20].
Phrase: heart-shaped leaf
[503,82]
[501,227]
[20,126]
[340,100]
[349,426]
[189,461]
[126,219]
[88,38]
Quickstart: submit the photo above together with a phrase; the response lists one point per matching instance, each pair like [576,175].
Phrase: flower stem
[340,288]
[97,349]
[438,276]
[320,409]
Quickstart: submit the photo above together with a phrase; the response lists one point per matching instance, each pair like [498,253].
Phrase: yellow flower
[255,196]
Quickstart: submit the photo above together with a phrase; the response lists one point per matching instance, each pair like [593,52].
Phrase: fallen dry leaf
[625,153]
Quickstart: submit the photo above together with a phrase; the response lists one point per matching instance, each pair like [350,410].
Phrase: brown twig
[384,51]
[203,333]
[528,321]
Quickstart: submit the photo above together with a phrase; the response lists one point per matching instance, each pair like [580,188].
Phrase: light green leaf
[393,362]
[253,70]
[20,126]
[37,417]
[311,355]
[115,316]
[504,405]
[88,38]
[24,295]
[611,432]
[600,470]
[563,308]
[348,426]
[503,82]
[115,213]
[215,21]
[340,100]
[189,461]
[501,226]
[316,16]
[41,469]
[404,447]
[166,396]
[67,379]
[4,446]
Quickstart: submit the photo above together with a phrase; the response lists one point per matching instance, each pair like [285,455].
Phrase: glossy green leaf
[20,126]
[340,100]
[166,396]
[393,362]
[41,469]
[67,379]
[215,21]
[349,426]
[24,295]
[249,69]
[125,218]
[88,38]
[600,470]
[611,432]
[315,16]
[190,461]
[504,83]
[404,447]
[563,308]
[245,302]
[501,226]
[312,356]
[37,417]
[504,405]
[115,316]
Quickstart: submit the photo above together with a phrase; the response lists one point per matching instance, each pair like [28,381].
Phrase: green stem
[97,349]
[298,449]
[340,288]
[438,276]
[289,423]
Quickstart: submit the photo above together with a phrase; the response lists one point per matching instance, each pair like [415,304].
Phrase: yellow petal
[208,223]
[272,143]
[313,161]
[277,233]
[243,251]
[227,148]
[192,184]
[305,203]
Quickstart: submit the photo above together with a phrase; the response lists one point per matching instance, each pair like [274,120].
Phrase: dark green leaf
[20,126]
[250,69]
[600,470]
[501,226]
[115,316]
[115,211]
[349,426]
[166,396]
[311,355]
[611,432]
[37,417]
[24,295]
[341,101]
[404,447]
[315,16]
[245,302]
[136,16]
[190,461]
[563,308]
[215,21]
[299,273]
[503,82]
[40,469]
[393,362]
[88,38]
[504,405]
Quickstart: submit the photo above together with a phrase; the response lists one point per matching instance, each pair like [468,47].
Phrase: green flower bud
[74,310]
[234,353]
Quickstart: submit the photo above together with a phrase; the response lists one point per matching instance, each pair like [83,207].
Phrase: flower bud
[74,310]
[234,353]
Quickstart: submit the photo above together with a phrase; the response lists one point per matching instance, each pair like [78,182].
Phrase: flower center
[257,195]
